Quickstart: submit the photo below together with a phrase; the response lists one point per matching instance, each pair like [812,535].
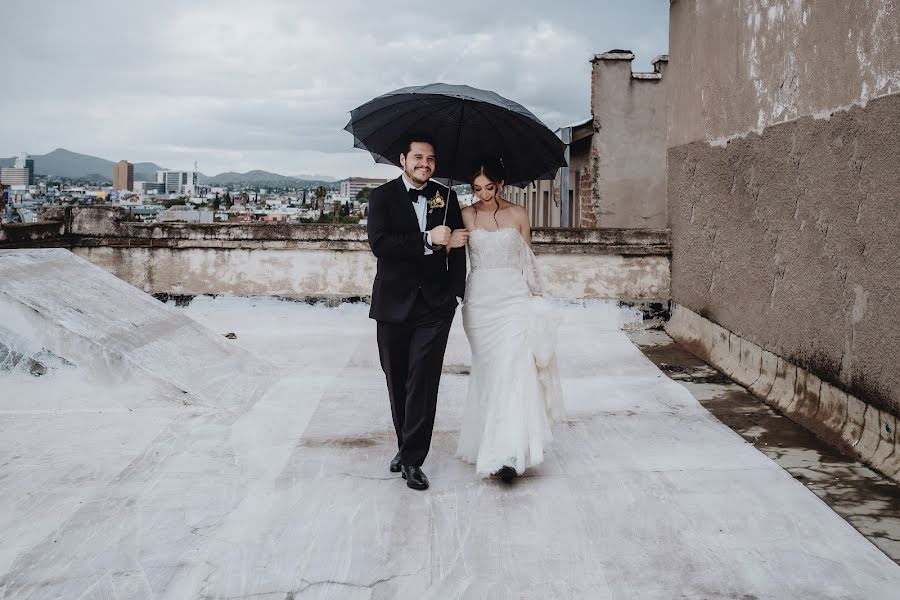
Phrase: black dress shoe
[395,464]
[414,477]
[506,473]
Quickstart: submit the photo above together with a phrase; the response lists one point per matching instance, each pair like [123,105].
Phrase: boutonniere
[437,201]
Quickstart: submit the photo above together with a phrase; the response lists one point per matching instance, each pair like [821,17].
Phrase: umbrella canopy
[465,123]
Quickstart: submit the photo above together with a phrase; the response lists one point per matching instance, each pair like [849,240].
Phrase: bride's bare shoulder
[519,213]
[468,215]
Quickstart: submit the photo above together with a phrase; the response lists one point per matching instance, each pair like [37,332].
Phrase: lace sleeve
[532,274]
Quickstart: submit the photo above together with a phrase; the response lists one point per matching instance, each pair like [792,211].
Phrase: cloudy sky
[268,84]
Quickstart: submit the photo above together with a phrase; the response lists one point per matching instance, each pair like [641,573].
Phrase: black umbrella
[465,123]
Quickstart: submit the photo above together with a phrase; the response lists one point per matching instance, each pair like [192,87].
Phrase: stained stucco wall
[742,65]
[628,148]
[783,179]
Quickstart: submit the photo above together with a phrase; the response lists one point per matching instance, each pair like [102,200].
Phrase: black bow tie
[414,194]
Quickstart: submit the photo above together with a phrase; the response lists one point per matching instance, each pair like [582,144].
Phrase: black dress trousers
[412,356]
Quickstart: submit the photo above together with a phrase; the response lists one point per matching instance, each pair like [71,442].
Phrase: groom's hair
[417,136]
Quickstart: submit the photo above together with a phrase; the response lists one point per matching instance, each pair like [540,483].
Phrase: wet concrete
[865,499]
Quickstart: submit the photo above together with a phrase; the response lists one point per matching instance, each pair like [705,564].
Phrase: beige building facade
[352,185]
[123,176]
[617,157]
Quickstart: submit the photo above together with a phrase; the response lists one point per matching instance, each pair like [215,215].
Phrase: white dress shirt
[421,206]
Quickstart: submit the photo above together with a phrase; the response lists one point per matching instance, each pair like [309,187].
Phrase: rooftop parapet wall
[628,149]
[742,66]
[32,234]
[106,226]
[332,262]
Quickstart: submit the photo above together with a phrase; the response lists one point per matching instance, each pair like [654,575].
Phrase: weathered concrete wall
[336,274]
[289,273]
[742,66]
[30,235]
[628,147]
[331,262]
[785,233]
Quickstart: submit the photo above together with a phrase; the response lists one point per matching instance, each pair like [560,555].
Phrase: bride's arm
[524,225]
[532,274]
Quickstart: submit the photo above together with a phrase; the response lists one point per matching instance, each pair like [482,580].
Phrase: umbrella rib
[407,129]
[501,131]
[520,126]
[376,112]
[542,144]
[432,100]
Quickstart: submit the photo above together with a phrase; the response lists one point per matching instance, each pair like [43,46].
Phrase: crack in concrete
[377,582]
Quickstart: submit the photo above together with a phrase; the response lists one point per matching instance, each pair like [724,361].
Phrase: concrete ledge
[614,55]
[31,235]
[632,242]
[330,261]
[642,76]
[106,226]
[332,274]
[840,419]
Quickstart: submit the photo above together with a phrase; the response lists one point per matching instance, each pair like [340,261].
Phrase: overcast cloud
[268,84]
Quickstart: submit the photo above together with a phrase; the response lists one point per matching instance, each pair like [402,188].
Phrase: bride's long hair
[492,168]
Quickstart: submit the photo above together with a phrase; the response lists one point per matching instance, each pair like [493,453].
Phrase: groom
[417,286]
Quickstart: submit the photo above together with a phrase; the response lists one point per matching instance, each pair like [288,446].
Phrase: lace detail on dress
[504,249]
[532,274]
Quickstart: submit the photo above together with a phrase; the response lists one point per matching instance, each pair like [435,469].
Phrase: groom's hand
[458,238]
[440,235]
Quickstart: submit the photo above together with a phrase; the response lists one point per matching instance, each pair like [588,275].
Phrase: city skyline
[270,87]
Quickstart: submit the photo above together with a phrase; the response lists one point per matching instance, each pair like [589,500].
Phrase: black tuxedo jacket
[403,266]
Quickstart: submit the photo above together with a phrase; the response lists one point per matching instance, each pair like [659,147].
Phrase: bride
[514,392]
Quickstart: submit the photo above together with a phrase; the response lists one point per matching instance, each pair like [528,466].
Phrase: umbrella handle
[462,110]
[447,207]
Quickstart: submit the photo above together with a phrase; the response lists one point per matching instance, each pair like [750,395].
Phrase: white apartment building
[179,182]
[350,187]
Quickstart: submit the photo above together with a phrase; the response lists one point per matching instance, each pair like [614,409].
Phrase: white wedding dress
[514,392]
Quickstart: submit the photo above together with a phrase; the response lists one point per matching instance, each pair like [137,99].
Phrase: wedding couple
[514,393]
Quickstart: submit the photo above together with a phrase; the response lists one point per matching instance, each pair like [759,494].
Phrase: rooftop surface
[171,462]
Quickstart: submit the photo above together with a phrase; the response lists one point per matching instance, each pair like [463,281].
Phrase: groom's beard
[416,176]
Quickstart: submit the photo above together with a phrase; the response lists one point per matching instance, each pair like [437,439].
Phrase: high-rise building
[22,173]
[123,176]
[14,176]
[178,182]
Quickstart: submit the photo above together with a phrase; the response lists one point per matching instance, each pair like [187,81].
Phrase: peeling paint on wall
[761,63]
[789,239]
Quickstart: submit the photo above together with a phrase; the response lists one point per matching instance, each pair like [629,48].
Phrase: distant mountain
[262,177]
[254,176]
[65,163]
[325,178]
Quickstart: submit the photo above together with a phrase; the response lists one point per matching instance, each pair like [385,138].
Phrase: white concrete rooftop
[171,462]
